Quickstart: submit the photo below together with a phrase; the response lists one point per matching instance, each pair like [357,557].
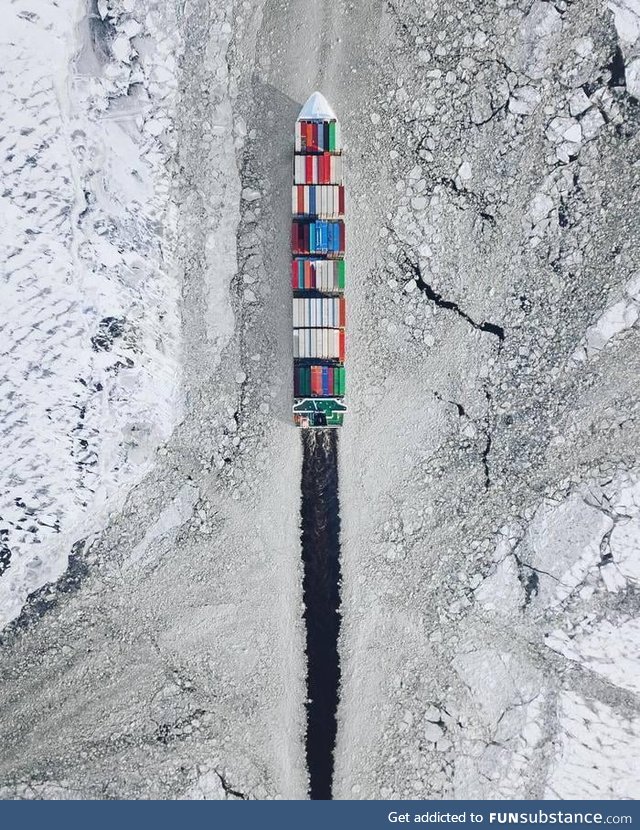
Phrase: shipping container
[325,275]
[318,236]
[325,379]
[322,312]
[320,169]
[317,136]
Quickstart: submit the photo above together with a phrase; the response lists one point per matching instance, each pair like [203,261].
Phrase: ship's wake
[320,514]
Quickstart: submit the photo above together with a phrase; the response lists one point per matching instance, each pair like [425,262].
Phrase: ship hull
[318,269]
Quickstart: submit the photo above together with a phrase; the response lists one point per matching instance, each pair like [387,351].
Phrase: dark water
[321,557]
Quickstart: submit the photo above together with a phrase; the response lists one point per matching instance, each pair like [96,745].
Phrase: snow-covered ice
[90,339]
[598,752]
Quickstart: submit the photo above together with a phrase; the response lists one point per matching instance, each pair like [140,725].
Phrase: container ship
[318,268]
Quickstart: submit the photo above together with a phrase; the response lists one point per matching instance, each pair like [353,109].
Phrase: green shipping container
[339,380]
[341,274]
[332,136]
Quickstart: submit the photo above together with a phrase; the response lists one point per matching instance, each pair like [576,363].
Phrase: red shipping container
[330,380]
[341,200]
[342,236]
[308,168]
[314,134]
[342,307]
[316,380]
[308,277]
[341,342]
[294,274]
[307,136]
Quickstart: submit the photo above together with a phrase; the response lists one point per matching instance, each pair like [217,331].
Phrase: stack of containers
[318,268]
